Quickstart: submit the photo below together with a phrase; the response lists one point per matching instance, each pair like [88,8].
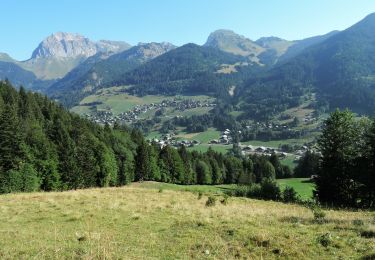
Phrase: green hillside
[340,70]
[139,223]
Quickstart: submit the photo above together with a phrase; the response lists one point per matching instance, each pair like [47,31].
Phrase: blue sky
[24,23]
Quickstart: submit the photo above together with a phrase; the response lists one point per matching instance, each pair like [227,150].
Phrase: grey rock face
[149,51]
[71,45]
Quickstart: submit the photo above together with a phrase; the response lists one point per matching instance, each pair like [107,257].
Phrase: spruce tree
[334,184]
[173,164]
[203,173]
[11,139]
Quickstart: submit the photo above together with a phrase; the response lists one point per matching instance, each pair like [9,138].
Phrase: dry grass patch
[137,223]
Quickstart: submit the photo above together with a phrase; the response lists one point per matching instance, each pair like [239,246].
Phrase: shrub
[318,213]
[211,201]
[269,189]
[358,222]
[241,191]
[254,191]
[224,201]
[289,194]
[200,194]
[368,233]
[325,239]
[160,190]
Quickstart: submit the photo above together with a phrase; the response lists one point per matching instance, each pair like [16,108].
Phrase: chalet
[248,148]
[260,149]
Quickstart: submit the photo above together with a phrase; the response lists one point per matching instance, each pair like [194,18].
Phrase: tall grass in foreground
[139,223]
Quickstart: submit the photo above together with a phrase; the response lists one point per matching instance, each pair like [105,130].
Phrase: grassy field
[217,147]
[139,223]
[301,185]
[119,102]
[277,143]
[289,161]
[203,137]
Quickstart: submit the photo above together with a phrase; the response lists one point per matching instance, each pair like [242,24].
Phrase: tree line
[45,147]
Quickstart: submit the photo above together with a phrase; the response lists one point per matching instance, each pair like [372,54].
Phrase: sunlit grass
[139,223]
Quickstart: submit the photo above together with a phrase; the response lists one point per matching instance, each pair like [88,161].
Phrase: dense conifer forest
[45,147]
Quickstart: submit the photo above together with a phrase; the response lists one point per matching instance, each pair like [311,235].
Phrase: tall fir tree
[334,184]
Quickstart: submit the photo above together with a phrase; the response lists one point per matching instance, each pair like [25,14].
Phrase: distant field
[203,137]
[119,101]
[217,147]
[301,185]
[277,143]
[289,161]
[133,222]
[192,188]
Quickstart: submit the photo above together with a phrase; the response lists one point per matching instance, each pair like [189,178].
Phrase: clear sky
[24,23]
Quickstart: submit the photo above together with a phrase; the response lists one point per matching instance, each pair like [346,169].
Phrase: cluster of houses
[102,117]
[268,151]
[171,140]
[262,126]
[107,117]
[225,138]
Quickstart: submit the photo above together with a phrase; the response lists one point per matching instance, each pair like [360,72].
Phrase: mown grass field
[217,147]
[119,101]
[277,143]
[139,223]
[303,186]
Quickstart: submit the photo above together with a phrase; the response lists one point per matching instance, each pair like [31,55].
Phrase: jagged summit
[73,45]
[229,41]
[65,45]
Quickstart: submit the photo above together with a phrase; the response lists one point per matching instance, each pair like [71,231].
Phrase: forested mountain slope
[100,69]
[341,70]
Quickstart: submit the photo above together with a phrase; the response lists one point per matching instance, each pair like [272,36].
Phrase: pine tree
[146,163]
[67,154]
[308,165]
[189,177]
[274,159]
[334,184]
[173,164]
[247,177]
[203,173]
[367,191]
[11,140]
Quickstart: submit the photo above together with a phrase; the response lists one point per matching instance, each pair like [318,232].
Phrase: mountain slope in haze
[229,41]
[101,69]
[341,70]
[21,77]
[188,69]
[5,57]
[17,75]
[61,52]
[299,45]
[266,50]
[274,48]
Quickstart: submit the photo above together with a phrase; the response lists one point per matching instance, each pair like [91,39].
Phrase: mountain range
[269,74]
[56,55]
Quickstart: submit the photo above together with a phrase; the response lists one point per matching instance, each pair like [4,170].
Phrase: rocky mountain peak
[229,41]
[65,45]
[72,45]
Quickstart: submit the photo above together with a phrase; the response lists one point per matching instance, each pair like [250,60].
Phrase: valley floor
[135,222]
